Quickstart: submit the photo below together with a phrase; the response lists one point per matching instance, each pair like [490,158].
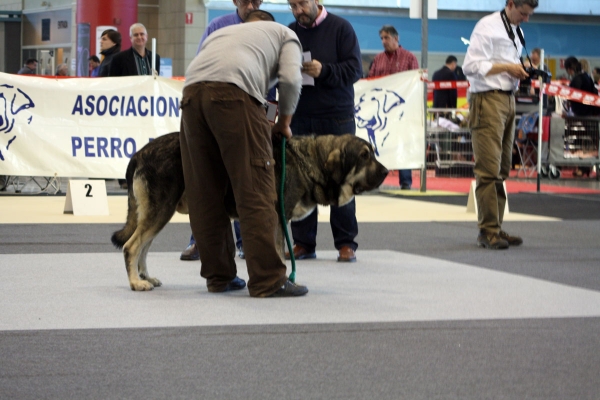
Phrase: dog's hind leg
[142,268]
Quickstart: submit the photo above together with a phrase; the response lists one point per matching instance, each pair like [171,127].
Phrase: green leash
[292,276]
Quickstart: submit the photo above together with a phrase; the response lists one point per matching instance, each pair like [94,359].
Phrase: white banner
[389,114]
[90,127]
[82,127]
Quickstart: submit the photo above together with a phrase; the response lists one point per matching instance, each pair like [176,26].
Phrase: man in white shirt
[493,67]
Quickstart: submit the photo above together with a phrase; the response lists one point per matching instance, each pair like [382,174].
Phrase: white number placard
[86,197]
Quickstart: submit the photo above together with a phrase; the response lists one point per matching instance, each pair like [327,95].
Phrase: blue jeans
[405,177]
[342,219]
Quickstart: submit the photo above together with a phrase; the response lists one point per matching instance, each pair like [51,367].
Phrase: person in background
[29,68]
[460,75]
[110,44]
[94,65]
[224,132]
[596,75]
[585,66]
[327,107]
[137,60]
[243,9]
[62,70]
[446,98]
[536,58]
[392,60]
[581,80]
[493,67]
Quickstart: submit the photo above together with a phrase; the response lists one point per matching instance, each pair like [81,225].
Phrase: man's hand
[282,126]
[517,71]
[312,68]
[514,70]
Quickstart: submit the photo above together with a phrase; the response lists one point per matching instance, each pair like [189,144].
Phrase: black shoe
[404,187]
[236,283]
[241,253]
[190,253]
[491,240]
[289,289]
[512,240]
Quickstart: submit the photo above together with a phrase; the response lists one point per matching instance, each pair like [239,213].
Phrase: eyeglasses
[246,3]
[299,5]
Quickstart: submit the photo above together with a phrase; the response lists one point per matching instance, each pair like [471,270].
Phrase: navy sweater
[334,44]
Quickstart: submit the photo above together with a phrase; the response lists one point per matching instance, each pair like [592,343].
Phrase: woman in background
[110,44]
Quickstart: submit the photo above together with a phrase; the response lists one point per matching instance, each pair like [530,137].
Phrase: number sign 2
[86,197]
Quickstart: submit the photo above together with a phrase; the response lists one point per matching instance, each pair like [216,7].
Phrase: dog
[326,170]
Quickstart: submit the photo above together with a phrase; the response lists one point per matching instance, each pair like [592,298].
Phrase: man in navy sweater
[326,108]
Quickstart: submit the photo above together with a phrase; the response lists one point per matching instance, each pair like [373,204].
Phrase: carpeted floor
[423,314]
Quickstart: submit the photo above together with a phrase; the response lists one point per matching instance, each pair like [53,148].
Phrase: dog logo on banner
[12,102]
[373,112]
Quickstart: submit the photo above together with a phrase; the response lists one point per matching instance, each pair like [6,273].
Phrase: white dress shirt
[490,45]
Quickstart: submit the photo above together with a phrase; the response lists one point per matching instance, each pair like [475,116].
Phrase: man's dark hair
[30,60]
[114,36]
[261,15]
[519,3]
[573,63]
[390,30]
[597,70]
[451,59]
[537,51]
[94,58]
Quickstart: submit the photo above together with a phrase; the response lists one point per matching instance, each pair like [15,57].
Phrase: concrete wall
[179,36]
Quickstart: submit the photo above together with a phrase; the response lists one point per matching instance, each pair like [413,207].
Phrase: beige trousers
[492,123]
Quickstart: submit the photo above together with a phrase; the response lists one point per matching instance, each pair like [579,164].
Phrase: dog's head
[12,102]
[352,167]
[374,108]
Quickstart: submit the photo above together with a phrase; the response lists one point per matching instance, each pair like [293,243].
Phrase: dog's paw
[140,286]
[154,281]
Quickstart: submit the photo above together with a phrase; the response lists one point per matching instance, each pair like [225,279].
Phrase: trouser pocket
[263,177]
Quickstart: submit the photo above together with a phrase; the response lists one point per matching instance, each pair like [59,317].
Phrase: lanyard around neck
[511,35]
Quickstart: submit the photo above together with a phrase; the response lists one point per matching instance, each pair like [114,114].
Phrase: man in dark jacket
[327,107]
[137,60]
[445,98]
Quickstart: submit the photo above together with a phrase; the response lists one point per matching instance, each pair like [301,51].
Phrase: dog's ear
[333,165]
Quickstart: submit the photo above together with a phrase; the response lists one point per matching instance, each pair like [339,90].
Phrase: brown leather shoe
[300,253]
[346,254]
[190,253]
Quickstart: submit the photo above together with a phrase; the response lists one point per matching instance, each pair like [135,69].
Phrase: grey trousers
[492,123]
[226,144]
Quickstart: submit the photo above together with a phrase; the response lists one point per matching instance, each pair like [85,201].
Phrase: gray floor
[423,314]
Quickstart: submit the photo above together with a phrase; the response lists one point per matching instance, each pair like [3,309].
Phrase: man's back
[257,49]
[446,98]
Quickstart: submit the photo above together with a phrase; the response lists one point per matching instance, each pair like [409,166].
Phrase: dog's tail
[120,237]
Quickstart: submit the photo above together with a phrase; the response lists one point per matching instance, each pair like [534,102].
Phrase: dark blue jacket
[444,98]
[334,44]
